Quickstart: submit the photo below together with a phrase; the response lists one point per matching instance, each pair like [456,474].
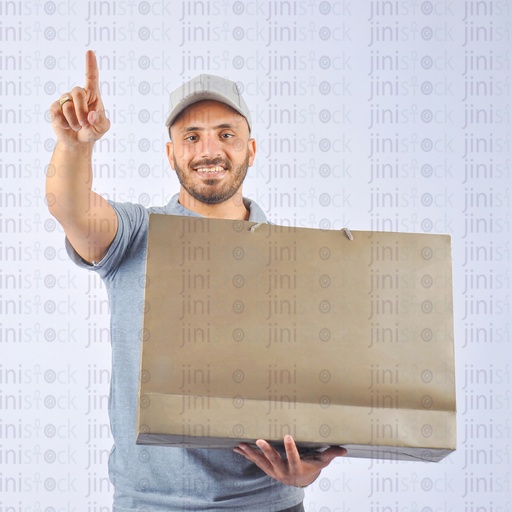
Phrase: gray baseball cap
[207,87]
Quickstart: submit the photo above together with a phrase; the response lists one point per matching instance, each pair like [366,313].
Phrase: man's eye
[227,135]
[191,138]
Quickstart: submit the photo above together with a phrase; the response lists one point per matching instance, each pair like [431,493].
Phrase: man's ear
[169,148]
[252,150]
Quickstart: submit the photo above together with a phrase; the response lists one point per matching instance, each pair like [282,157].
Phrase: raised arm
[78,119]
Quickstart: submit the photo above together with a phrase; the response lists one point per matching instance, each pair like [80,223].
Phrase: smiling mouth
[210,170]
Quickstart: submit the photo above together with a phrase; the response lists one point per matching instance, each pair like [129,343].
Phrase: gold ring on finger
[64,99]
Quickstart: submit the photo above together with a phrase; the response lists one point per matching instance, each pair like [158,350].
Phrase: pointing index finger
[91,72]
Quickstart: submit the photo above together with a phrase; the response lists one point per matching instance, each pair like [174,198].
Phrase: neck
[233,208]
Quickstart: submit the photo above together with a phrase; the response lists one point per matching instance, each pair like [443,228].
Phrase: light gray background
[435,78]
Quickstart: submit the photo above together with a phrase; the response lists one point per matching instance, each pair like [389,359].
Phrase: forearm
[69,182]
[88,220]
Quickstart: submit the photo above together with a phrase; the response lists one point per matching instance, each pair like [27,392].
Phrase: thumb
[97,119]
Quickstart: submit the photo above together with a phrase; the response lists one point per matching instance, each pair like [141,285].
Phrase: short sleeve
[132,219]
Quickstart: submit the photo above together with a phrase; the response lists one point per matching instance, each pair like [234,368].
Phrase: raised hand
[78,116]
[78,119]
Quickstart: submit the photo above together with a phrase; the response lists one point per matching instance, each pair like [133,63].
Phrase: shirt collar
[256,214]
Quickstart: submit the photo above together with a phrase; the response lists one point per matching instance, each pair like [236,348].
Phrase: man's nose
[210,146]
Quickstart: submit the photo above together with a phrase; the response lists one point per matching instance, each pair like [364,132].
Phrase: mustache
[205,162]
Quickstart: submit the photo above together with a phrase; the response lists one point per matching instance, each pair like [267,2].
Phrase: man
[210,150]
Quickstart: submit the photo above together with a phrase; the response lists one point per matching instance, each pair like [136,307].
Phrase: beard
[213,191]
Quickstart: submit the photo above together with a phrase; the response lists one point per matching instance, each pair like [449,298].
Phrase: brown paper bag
[256,331]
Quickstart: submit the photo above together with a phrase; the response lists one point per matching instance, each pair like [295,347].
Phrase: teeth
[211,170]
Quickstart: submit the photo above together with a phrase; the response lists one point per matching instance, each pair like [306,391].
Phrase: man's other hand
[291,470]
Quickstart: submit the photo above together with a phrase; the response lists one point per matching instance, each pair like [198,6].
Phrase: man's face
[211,151]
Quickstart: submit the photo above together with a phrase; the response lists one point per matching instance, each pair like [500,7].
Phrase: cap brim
[196,98]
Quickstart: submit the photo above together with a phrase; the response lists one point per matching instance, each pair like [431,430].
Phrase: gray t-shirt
[154,478]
